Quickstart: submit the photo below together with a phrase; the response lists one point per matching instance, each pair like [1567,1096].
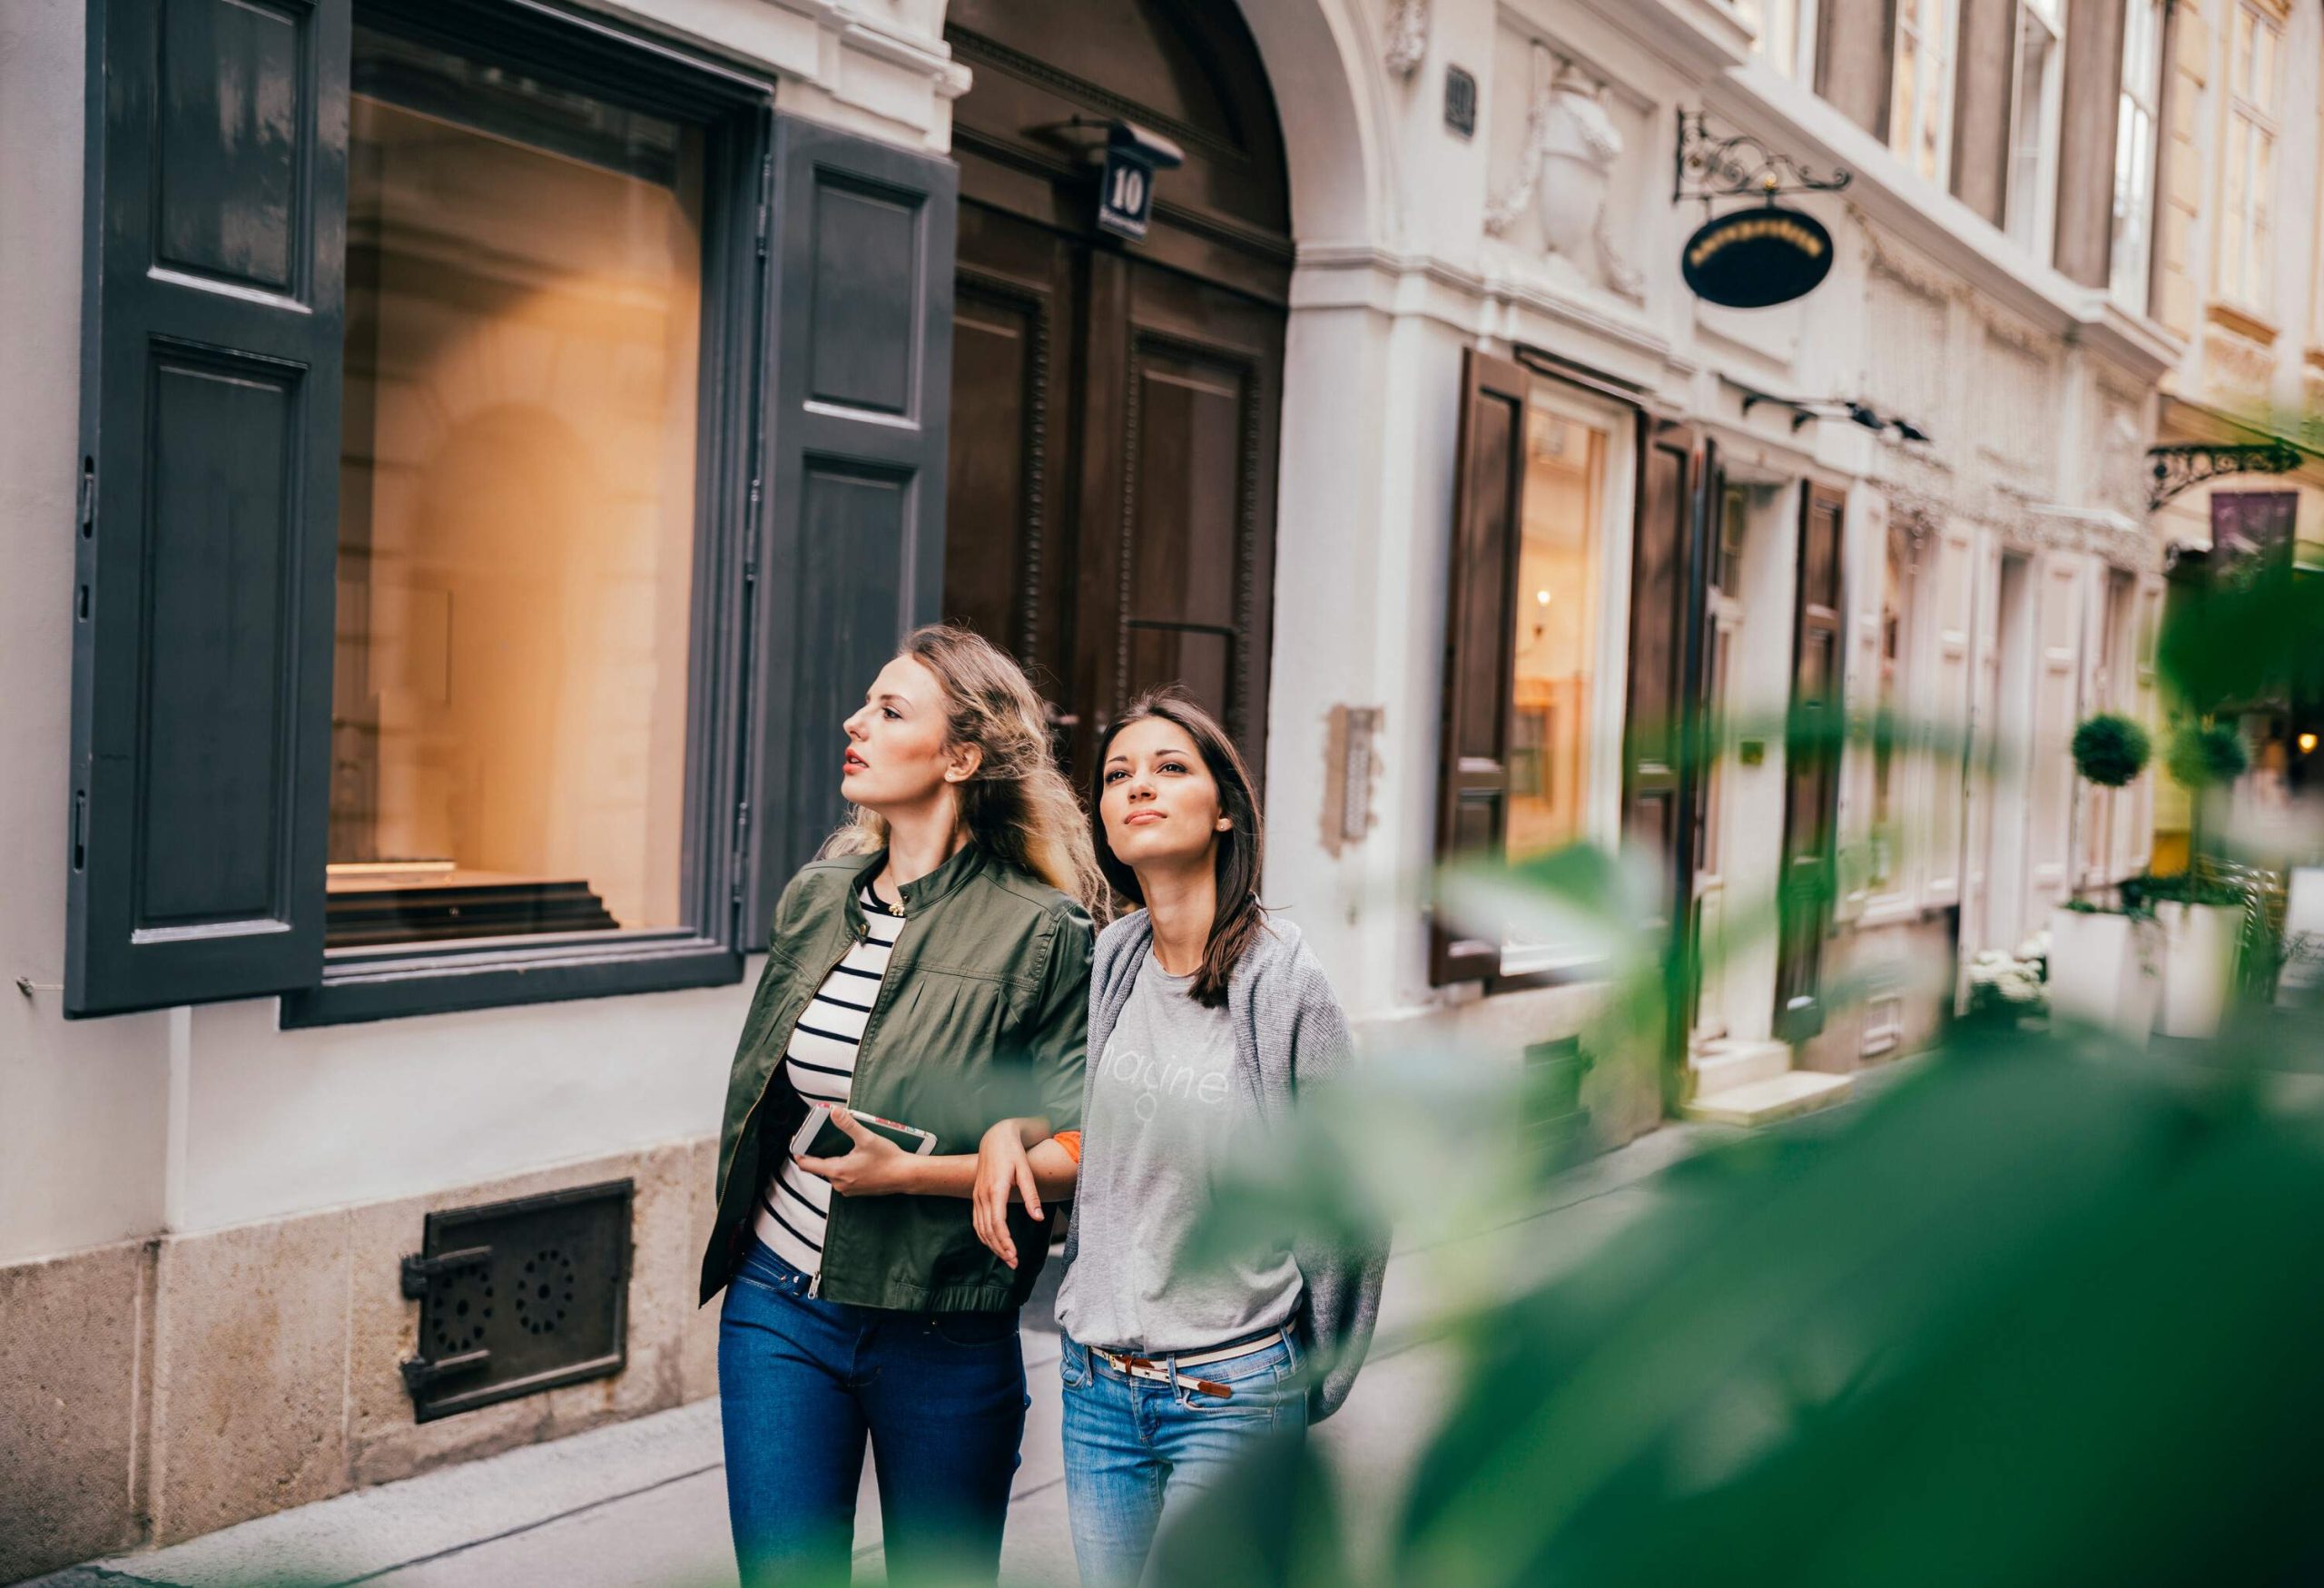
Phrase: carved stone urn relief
[1565,173]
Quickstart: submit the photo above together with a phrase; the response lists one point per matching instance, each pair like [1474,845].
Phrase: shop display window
[516,507]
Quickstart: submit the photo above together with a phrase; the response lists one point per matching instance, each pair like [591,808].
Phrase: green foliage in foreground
[2036,1315]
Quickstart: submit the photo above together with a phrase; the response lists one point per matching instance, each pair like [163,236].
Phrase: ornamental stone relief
[2012,403]
[1905,365]
[2118,475]
[2237,370]
[1407,42]
[1565,178]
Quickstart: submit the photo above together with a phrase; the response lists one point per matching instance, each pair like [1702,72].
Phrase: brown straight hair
[1240,851]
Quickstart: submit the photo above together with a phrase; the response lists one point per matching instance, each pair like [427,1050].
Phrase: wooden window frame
[1932,78]
[2265,123]
[263,311]
[2129,268]
[2030,218]
[1475,652]
[1896,692]
[1800,67]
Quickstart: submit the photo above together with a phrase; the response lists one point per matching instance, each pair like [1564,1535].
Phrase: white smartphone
[819,1135]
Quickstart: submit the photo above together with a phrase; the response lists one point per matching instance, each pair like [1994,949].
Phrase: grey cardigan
[1289,1035]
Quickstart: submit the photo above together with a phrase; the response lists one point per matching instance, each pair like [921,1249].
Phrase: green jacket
[983,1015]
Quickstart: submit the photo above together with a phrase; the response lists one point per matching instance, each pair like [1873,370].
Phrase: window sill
[391,987]
[2242,321]
[1887,910]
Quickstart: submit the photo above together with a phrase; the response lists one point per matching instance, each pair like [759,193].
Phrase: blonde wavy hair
[1018,806]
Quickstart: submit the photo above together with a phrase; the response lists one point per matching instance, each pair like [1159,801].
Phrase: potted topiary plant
[2201,919]
[2104,967]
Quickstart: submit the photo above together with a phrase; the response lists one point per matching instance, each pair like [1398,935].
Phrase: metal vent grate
[515,1297]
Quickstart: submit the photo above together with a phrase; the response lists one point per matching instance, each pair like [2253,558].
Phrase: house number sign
[1126,185]
[1128,199]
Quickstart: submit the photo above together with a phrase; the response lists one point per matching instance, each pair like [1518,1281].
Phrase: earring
[1226,822]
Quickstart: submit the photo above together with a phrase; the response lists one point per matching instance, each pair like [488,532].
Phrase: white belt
[1168,1369]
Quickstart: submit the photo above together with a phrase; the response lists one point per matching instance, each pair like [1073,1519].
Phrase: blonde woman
[931,970]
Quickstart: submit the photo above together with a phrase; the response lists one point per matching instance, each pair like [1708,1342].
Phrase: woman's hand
[1003,1171]
[877,1167]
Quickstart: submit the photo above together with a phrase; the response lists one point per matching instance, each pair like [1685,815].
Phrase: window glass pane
[2262,89]
[516,507]
[1557,631]
[1904,94]
[2031,133]
[2259,272]
[2235,218]
[1935,91]
[1885,834]
[2133,202]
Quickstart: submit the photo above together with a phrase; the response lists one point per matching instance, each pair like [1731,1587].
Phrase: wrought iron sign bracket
[1742,166]
[2181,466]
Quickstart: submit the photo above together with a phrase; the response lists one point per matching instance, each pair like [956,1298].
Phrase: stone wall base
[1894,989]
[160,1389]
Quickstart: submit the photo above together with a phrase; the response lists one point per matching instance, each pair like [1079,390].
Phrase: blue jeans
[803,1381]
[1138,1453]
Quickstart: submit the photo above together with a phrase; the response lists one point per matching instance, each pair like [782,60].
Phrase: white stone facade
[193,1141]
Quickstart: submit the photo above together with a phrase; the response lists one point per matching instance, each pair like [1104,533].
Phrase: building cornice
[1699,37]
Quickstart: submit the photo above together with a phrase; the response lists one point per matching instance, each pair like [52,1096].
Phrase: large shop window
[1544,491]
[515,507]
[449,625]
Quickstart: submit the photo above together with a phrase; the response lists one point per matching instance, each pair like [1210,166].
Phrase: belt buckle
[1146,1367]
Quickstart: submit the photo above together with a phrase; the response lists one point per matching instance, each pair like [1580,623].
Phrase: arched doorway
[1110,505]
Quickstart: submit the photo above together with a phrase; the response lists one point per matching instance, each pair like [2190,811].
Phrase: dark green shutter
[211,330]
[861,389]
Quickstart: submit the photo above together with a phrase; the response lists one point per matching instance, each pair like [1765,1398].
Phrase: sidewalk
[644,1502]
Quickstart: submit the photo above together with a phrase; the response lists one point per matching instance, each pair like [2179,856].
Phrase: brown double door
[1111,501]
[1110,506]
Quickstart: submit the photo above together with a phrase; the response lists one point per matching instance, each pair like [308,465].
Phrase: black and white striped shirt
[820,1062]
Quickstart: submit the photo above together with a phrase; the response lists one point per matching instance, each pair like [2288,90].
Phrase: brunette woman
[931,970]
[1207,1021]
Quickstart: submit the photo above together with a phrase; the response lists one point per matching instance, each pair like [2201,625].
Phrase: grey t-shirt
[1166,1115]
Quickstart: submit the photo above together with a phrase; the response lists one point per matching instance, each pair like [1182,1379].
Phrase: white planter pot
[2199,944]
[2104,972]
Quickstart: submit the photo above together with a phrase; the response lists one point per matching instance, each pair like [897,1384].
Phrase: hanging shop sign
[1756,257]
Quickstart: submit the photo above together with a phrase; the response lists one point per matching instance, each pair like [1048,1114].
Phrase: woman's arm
[877,1167]
[1018,1160]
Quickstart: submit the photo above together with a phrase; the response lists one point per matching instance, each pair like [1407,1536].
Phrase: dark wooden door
[1111,505]
[1811,770]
